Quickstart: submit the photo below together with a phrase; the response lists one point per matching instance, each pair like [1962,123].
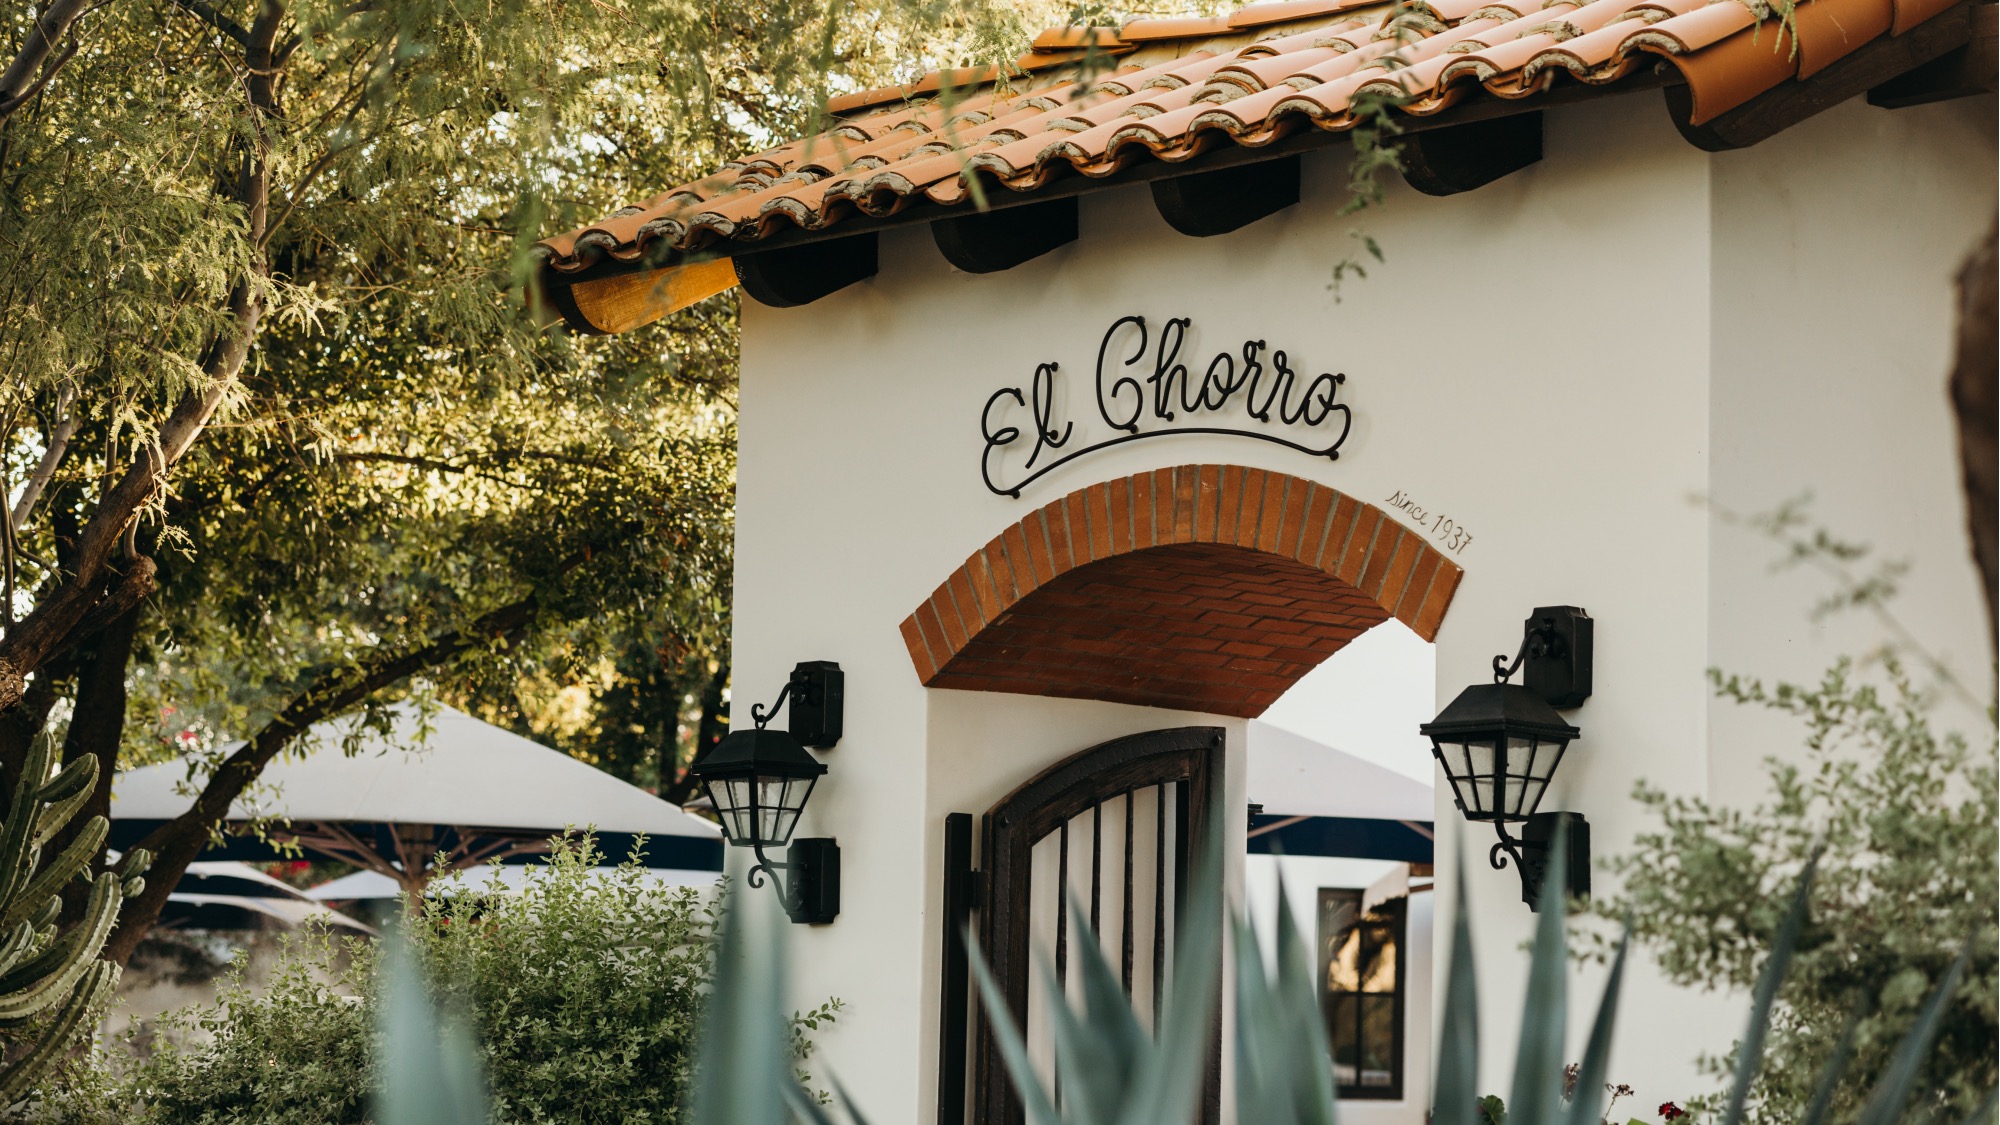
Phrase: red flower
[1669,1111]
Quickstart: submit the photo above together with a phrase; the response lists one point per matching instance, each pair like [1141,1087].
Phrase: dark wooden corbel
[1210,203]
[799,275]
[1462,157]
[991,241]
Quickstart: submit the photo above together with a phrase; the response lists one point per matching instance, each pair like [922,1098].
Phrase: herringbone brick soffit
[1208,588]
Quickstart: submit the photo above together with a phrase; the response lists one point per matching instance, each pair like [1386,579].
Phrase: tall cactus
[50,977]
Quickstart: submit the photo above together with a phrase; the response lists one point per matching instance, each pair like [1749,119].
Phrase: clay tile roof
[1092,101]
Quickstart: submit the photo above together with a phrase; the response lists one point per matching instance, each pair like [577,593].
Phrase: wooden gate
[1109,830]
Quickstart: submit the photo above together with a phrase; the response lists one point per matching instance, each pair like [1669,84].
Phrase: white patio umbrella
[227,895]
[363,885]
[1319,800]
[470,792]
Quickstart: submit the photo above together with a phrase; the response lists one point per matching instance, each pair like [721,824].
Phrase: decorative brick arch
[1204,587]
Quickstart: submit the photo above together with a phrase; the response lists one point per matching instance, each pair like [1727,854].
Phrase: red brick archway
[1204,587]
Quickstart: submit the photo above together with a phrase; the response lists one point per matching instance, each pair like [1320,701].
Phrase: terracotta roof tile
[1268,71]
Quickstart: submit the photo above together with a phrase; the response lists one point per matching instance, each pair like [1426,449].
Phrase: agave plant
[51,979]
[1116,1073]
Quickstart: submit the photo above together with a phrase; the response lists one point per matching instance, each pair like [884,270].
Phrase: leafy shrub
[584,994]
[1906,821]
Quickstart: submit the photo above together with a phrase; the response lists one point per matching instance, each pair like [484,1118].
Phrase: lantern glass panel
[731,797]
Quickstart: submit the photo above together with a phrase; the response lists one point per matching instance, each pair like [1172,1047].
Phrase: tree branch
[208,15]
[48,74]
[176,843]
[17,82]
[59,435]
[49,627]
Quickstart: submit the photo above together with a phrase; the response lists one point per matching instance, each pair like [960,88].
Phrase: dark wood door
[1105,833]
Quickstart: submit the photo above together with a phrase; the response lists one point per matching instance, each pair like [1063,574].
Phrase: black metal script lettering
[1122,400]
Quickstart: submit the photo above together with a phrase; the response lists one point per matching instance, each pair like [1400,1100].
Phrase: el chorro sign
[1251,392]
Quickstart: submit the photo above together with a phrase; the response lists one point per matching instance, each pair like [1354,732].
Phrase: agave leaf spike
[1586,1105]
[1013,1051]
[1537,1091]
[749,969]
[1750,1052]
[49,881]
[1106,1007]
[1097,1054]
[1256,1094]
[1170,1082]
[1279,1027]
[1457,1099]
[94,988]
[1885,1103]
[1088,1082]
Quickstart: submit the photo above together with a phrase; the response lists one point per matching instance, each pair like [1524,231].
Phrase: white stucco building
[974,473]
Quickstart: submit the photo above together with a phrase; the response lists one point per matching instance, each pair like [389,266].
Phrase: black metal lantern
[1500,744]
[760,779]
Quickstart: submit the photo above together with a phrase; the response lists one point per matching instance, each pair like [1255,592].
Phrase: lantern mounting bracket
[1531,855]
[817,691]
[807,880]
[1556,647]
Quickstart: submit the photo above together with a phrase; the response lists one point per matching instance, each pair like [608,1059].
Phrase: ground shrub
[1906,818]
[585,994]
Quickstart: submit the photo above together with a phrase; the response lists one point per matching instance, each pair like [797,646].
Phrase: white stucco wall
[1558,361]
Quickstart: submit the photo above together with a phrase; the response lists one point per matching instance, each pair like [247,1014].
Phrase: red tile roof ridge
[883,158]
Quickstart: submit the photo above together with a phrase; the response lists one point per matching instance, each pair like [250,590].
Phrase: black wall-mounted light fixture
[759,781]
[1500,744]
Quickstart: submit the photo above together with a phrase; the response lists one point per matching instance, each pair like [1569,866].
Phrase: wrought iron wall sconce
[1500,743]
[759,781]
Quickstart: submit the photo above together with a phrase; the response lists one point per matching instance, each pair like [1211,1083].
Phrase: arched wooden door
[1113,826]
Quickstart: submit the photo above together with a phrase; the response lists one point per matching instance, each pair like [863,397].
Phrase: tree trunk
[97,729]
[1977,403]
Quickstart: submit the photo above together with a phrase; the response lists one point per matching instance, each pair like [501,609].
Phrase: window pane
[1343,1029]
[1360,958]
[1379,972]
[1379,1053]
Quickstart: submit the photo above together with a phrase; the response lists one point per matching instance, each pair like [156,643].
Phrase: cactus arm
[17,849]
[39,982]
[95,986]
[17,945]
[66,795]
[65,867]
[135,862]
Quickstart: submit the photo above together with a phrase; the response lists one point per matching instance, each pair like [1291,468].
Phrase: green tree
[277,436]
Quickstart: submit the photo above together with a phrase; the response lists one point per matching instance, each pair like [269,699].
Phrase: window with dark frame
[1361,992]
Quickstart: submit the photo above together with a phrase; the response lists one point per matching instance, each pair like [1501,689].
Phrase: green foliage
[582,994]
[291,1052]
[1903,819]
[52,984]
[1113,1070]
